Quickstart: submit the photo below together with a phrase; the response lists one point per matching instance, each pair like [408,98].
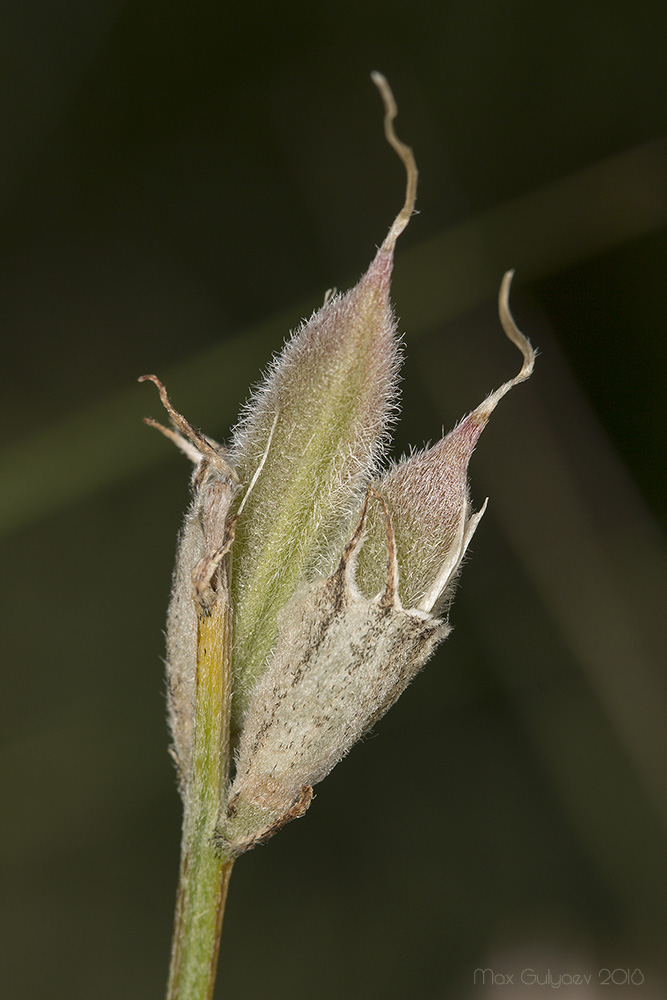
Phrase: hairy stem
[204,873]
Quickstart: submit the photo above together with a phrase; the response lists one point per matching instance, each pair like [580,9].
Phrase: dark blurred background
[179,184]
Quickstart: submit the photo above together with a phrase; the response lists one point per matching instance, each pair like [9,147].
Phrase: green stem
[204,873]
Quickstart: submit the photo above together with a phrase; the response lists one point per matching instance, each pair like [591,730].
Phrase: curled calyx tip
[406,156]
[481,414]
[513,332]
[186,437]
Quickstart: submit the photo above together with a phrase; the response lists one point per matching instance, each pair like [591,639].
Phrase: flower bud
[428,499]
[329,398]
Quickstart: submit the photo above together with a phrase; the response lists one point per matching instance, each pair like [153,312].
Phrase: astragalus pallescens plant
[311,585]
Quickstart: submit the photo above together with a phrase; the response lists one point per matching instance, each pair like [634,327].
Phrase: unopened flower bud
[428,498]
[329,397]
